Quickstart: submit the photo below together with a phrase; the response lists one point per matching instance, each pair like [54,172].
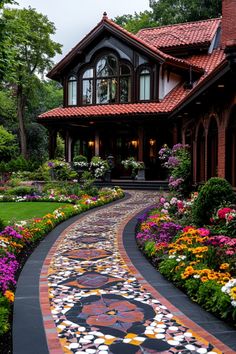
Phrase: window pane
[144,92]
[88,74]
[87,92]
[72,93]
[107,66]
[106,90]
[124,70]
[125,89]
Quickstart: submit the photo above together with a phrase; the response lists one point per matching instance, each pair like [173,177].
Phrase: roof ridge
[178,24]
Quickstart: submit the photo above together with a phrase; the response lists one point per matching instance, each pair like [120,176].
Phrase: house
[127,95]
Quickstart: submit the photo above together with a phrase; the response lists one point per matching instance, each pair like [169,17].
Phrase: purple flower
[51,164]
[9,231]
[172,162]
[8,268]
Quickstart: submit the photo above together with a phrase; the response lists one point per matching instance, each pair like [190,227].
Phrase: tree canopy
[164,12]
[27,52]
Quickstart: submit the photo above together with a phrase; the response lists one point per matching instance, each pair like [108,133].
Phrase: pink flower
[204,232]
[180,204]
[222,212]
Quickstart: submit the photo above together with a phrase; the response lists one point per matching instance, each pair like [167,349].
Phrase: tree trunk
[20,117]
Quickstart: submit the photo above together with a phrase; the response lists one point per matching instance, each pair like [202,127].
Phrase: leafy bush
[21,191]
[4,315]
[215,192]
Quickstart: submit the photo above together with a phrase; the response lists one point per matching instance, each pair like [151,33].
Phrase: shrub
[4,315]
[21,191]
[215,192]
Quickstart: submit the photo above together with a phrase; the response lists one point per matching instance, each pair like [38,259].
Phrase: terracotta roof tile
[208,61]
[181,35]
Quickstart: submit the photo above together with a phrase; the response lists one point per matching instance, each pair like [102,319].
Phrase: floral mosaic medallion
[92,280]
[98,305]
[87,254]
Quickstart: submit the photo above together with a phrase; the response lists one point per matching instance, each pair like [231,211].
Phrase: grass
[12,212]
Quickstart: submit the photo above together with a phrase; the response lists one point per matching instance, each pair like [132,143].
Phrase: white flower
[196,276]
[173,201]
[166,205]
[233,303]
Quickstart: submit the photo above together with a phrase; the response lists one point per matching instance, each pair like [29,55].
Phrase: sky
[73,19]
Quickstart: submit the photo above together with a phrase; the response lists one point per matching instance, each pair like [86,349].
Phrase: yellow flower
[233,293]
[204,279]
[9,295]
[224,266]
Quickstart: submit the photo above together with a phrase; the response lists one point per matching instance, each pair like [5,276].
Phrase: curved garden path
[94,300]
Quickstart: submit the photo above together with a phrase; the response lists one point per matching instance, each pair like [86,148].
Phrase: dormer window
[108,81]
[72,91]
[145,85]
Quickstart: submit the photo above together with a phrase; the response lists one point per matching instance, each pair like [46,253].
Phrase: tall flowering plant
[178,162]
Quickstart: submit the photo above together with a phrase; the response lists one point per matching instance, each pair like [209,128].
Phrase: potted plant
[137,168]
[99,167]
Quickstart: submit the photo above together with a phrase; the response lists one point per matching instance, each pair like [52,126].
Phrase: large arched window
[108,81]
[145,85]
[72,91]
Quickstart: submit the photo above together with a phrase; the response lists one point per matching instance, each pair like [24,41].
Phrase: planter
[141,175]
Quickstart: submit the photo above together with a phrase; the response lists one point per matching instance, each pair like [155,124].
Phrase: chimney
[228,37]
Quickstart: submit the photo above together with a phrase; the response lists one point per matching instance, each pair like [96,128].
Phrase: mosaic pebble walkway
[97,303]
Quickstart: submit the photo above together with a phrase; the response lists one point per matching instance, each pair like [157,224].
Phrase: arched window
[145,85]
[72,91]
[109,81]
[125,84]
[87,80]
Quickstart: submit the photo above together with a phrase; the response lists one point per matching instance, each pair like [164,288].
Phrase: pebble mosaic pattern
[98,305]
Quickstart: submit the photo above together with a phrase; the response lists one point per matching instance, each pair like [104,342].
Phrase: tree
[7,145]
[176,11]
[164,12]
[30,48]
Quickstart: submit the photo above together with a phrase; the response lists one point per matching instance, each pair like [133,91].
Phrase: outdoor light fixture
[221,86]
[152,142]
[91,143]
[134,143]
[198,102]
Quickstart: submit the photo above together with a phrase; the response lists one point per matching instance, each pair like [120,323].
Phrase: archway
[212,149]
[231,149]
[201,154]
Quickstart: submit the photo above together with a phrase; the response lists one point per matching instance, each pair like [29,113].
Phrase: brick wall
[228,23]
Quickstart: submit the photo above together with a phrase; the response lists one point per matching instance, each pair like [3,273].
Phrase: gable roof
[210,62]
[199,33]
[107,24]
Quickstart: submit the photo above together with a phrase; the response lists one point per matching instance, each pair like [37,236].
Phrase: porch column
[52,144]
[140,143]
[175,134]
[206,154]
[221,151]
[194,162]
[68,144]
[97,142]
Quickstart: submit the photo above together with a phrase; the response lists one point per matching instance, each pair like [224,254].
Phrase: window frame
[118,77]
[139,75]
[68,81]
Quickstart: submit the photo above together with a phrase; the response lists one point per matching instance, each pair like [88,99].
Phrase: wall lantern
[91,143]
[134,143]
[152,142]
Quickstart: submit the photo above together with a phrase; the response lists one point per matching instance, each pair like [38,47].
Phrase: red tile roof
[181,35]
[138,40]
[177,96]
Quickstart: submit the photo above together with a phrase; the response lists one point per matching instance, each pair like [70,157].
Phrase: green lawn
[11,212]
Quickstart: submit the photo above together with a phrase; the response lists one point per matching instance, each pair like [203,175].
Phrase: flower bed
[16,240]
[198,260]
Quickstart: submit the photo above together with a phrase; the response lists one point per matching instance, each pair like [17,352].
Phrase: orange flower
[224,266]
[204,279]
[9,295]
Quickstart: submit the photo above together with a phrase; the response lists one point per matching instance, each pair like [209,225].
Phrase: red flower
[222,212]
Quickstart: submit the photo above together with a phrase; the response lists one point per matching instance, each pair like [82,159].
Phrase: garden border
[192,315]
[29,322]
